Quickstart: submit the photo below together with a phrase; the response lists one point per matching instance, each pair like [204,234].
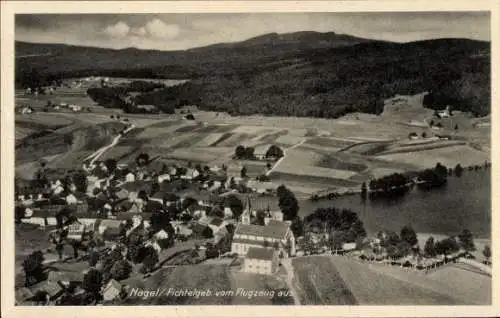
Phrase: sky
[184,31]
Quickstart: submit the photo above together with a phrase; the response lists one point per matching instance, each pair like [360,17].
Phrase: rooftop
[57,276]
[266,254]
[113,284]
[50,287]
[276,230]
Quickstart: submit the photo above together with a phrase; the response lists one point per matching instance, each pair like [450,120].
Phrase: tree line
[398,184]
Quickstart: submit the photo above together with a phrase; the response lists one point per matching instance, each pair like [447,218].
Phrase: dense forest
[291,78]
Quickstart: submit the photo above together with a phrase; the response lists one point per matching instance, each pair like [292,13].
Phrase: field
[319,283]
[330,142]
[28,239]
[342,153]
[386,285]
[449,156]
[253,282]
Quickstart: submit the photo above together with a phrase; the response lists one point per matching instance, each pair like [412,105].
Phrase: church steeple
[247,212]
[248,206]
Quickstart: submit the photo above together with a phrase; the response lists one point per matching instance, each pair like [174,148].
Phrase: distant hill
[301,74]
[57,58]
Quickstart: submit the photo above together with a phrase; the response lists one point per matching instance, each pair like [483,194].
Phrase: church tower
[247,212]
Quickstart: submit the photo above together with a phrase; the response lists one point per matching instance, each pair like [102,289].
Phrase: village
[127,220]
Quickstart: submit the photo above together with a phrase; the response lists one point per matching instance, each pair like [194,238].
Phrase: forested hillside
[299,74]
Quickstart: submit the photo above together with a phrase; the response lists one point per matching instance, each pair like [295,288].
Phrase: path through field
[286,262]
[94,156]
[284,156]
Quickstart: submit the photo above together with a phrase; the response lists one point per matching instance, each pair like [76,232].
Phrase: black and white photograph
[252,158]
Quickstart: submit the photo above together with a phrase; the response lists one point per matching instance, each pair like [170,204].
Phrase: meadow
[386,285]
[319,283]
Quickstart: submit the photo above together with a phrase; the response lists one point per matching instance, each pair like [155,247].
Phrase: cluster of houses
[59,284]
[113,199]
[72,107]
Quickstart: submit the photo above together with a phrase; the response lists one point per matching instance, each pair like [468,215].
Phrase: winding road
[94,156]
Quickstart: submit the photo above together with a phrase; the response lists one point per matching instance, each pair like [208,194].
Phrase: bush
[121,270]
[150,259]
[93,258]
[142,159]
[274,152]
[92,282]
[33,268]
[263,178]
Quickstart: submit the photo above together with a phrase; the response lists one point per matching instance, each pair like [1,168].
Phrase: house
[112,290]
[161,235]
[215,186]
[228,213]
[75,108]
[221,233]
[163,177]
[108,228]
[147,108]
[154,244]
[348,246]
[129,177]
[53,290]
[214,223]
[152,206]
[172,171]
[444,113]
[121,194]
[273,216]
[261,261]
[76,230]
[65,277]
[262,186]
[71,199]
[183,230]
[276,235]
[27,110]
[190,174]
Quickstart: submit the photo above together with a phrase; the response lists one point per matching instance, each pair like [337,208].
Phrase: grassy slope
[200,277]
[380,285]
[80,139]
[320,283]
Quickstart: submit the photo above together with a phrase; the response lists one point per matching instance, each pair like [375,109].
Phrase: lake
[464,202]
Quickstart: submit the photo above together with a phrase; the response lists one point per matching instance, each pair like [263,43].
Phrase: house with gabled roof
[276,236]
[65,277]
[112,290]
[261,261]
[53,290]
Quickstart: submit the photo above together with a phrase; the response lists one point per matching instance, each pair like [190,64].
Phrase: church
[276,234]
